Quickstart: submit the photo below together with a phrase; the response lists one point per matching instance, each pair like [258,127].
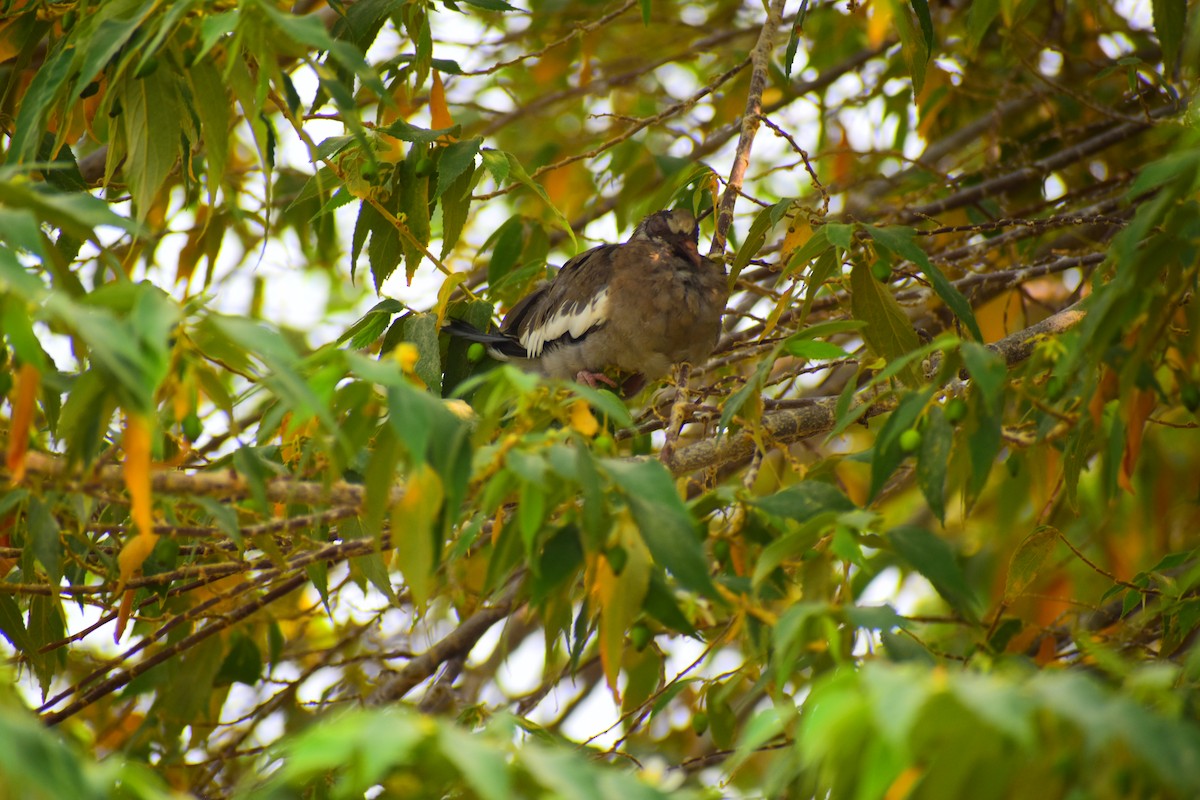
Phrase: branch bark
[791,425]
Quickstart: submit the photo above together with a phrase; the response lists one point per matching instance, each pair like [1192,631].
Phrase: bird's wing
[567,308]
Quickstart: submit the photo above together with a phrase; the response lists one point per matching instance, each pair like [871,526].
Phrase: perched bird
[637,308]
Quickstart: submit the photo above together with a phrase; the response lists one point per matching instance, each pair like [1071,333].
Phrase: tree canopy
[924,525]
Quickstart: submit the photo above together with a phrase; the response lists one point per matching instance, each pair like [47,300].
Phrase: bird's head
[677,229]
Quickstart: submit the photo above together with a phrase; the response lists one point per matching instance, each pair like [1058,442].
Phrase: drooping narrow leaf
[900,241]
[933,558]
[889,332]
[664,521]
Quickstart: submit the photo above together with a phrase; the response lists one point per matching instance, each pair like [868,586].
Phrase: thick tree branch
[458,643]
[791,425]
[760,57]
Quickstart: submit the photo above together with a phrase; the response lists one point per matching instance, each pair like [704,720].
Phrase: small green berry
[956,410]
[617,558]
[640,636]
[910,440]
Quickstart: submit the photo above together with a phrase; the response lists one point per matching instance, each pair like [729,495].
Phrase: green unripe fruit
[700,722]
[617,558]
[192,427]
[882,271]
[720,550]
[476,352]
[1014,466]
[1190,395]
[603,444]
[640,636]
[956,410]
[910,440]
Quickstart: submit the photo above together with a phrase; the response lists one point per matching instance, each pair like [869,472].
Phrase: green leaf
[933,558]
[1027,560]
[223,516]
[243,663]
[373,568]
[933,460]
[804,501]
[646,12]
[989,372]
[38,102]
[45,539]
[749,392]
[485,767]
[921,7]
[814,351]
[980,15]
[455,159]
[888,333]
[664,521]
[491,5]
[914,49]
[1170,24]
[456,202]
[213,108]
[12,626]
[492,159]
[755,237]
[77,213]
[838,234]
[151,104]
[509,241]
[900,241]
[422,331]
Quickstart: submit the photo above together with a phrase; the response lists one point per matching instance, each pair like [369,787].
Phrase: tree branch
[760,57]
[791,425]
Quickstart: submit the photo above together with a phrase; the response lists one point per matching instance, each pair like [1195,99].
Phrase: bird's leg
[593,378]
[678,410]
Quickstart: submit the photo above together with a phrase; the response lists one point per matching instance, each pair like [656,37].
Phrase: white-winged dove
[637,308]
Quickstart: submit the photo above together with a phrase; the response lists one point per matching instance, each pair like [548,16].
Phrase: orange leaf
[133,554]
[28,380]
[137,471]
[123,614]
[1107,390]
[1136,412]
[437,105]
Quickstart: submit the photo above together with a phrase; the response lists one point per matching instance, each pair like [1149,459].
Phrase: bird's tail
[500,345]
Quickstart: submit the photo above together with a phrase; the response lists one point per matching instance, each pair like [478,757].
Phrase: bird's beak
[692,253]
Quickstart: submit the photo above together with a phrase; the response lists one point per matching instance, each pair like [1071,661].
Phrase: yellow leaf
[879,22]
[438,109]
[413,531]
[445,292]
[582,419]
[28,380]
[620,597]
[798,234]
[406,355]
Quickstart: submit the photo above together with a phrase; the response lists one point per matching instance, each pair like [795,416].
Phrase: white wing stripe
[575,322]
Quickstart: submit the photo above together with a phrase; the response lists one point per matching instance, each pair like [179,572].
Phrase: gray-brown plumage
[637,308]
